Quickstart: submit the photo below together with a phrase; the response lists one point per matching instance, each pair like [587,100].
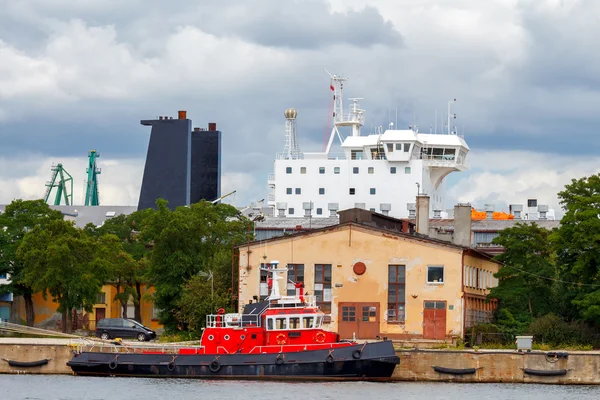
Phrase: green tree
[577,244]
[526,279]
[64,262]
[19,217]
[128,270]
[187,241]
[198,299]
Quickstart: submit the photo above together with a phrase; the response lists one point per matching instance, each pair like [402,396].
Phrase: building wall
[478,278]
[206,166]
[337,186]
[342,247]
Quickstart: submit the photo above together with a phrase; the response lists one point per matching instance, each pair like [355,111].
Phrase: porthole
[211,337]
[242,337]
[226,337]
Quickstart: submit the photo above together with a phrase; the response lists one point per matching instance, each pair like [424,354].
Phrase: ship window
[399,146]
[302,170]
[280,323]
[372,209]
[308,322]
[288,191]
[319,211]
[288,170]
[355,170]
[298,191]
[264,285]
[371,170]
[390,147]
[291,211]
[372,190]
[407,170]
[406,147]
[356,154]
[321,170]
[270,324]
[392,170]
[336,170]
[295,323]
[319,322]
[321,190]
[352,191]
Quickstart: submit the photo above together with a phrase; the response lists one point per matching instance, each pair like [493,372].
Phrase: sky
[76,76]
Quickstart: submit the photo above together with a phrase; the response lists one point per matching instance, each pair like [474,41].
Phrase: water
[63,387]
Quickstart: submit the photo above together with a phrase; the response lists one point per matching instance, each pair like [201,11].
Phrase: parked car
[110,328]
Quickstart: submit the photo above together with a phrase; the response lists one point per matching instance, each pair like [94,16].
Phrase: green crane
[92,197]
[59,182]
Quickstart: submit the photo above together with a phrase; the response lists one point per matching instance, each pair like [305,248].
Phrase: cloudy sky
[76,76]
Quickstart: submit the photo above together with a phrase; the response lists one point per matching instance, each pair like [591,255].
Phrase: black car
[110,328]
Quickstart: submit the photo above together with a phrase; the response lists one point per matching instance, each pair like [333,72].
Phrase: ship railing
[286,156]
[271,177]
[232,320]
[313,346]
[112,346]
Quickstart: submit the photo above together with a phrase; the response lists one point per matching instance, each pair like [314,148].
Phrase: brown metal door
[100,314]
[348,321]
[434,320]
[368,326]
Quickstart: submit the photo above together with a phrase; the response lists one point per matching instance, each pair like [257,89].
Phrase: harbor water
[64,387]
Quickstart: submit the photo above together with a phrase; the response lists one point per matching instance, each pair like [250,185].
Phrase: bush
[551,329]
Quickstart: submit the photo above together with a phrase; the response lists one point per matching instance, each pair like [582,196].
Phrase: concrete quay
[491,366]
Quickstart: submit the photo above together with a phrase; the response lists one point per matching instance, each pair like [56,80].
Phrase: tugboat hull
[373,361]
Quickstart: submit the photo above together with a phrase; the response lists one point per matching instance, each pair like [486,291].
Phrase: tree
[577,244]
[19,217]
[64,262]
[198,300]
[128,269]
[527,276]
[187,241]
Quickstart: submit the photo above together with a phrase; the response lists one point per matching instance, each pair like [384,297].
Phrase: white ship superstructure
[381,172]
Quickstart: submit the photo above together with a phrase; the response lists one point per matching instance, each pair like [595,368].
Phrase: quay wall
[497,366]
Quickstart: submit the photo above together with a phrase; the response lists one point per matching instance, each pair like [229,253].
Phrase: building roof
[414,236]
[491,225]
[83,215]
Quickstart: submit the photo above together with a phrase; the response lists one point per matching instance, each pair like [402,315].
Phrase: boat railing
[313,346]
[232,320]
[113,346]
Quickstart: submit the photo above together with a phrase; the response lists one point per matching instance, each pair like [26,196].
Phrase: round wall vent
[359,268]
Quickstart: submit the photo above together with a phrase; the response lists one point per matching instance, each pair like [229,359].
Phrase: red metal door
[434,320]
[348,321]
[368,326]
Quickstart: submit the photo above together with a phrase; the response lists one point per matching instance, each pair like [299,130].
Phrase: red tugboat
[280,338]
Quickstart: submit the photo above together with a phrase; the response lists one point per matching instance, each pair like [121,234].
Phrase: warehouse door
[434,320]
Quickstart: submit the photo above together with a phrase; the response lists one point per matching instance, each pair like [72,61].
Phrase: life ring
[113,364]
[214,366]
[320,337]
[356,354]
[281,338]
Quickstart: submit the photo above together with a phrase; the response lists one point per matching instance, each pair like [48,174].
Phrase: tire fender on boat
[279,360]
[171,365]
[113,364]
[214,366]
[356,354]
[329,359]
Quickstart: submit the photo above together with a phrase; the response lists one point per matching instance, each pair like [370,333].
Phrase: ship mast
[355,118]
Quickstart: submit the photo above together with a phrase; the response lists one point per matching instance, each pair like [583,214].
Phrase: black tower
[182,166]
[206,164]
